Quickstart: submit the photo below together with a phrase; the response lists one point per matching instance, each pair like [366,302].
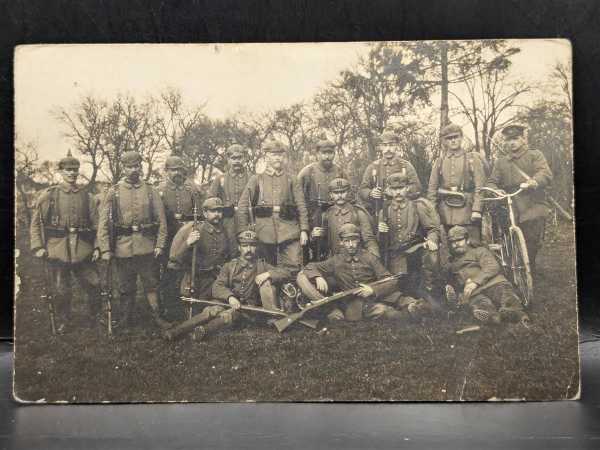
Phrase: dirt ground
[362,361]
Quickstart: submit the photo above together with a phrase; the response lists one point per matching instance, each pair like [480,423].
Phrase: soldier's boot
[64,316]
[154,306]
[451,296]
[211,327]
[514,315]
[485,316]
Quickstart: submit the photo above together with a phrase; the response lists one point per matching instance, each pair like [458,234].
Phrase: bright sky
[228,77]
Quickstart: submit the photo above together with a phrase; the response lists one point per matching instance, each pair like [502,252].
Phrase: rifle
[251,211]
[47,294]
[198,319]
[284,323]
[192,288]
[385,240]
[319,224]
[106,293]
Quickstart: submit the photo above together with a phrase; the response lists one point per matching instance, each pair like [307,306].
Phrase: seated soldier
[342,212]
[245,280]
[354,267]
[474,271]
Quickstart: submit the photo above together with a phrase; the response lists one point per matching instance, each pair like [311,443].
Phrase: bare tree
[562,75]
[26,166]
[296,128]
[251,131]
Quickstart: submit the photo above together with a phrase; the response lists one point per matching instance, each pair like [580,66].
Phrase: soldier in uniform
[62,230]
[213,248]
[527,169]
[230,185]
[314,180]
[372,187]
[474,272]
[455,179]
[179,197]
[279,210]
[140,229]
[340,213]
[404,222]
[353,267]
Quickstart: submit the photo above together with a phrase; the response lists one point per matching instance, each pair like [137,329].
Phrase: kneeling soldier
[245,280]
[475,272]
[352,267]
[340,213]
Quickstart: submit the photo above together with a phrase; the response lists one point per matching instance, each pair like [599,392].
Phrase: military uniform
[378,171]
[349,271]
[280,214]
[214,248]
[459,172]
[494,294]
[531,208]
[140,227]
[407,221]
[338,215]
[64,224]
[229,187]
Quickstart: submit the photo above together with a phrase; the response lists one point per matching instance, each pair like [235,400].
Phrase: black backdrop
[104,21]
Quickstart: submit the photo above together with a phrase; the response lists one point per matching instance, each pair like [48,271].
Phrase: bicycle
[508,243]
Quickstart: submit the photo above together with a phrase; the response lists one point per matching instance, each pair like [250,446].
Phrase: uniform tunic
[179,204]
[136,205]
[236,279]
[314,180]
[463,173]
[274,189]
[378,171]
[477,264]
[229,188]
[336,216]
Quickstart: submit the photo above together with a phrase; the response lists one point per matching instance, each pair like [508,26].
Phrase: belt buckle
[135,228]
[72,230]
[178,216]
[276,209]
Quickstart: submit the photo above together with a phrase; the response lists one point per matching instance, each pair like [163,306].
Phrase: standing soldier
[140,230]
[314,180]
[179,197]
[475,273]
[455,179]
[62,233]
[372,187]
[213,248]
[230,185]
[405,222]
[526,169]
[340,213]
[277,203]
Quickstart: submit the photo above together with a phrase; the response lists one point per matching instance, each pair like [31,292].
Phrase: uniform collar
[271,172]
[455,153]
[396,160]
[174,187]
[129,185]
[212,229]
[235,174]
[341,210]
[323,169]
[349,258]
[246,264]
[66,187]
[397,206]
[518,154]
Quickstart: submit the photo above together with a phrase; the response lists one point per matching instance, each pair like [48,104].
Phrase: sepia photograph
[309,222]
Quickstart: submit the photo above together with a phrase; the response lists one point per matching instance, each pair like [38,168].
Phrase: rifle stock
[47,294]
[284,323]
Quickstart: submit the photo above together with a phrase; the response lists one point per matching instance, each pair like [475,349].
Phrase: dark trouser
[147,267]
[533,230]
[169,293]
[288,254]
[499,298]
[202,288]
[86,274]
[422,269]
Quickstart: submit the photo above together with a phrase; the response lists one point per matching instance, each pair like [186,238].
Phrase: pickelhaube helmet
[174,162]
[457,233]
[247,237]
[349,230]
[68,161]
[339,185]
[131,158]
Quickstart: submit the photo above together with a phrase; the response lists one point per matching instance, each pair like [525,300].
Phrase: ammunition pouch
[288,212]
[147,229]
[262,211]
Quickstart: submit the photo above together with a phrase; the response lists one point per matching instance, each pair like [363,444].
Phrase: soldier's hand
[262,277]
[475,216]
[383,227]
[106,256]
[96,255]
[376,193]
[530,184]
[193,238]
[317,232]
[470,286]
[430,245]
[322,285]
[41,253]
[234,302]
[365,291]
[158,252]
[303,238]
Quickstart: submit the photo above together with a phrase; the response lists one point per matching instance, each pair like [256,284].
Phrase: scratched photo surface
[383,221]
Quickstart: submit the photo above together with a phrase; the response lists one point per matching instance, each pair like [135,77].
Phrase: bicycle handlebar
[499,195]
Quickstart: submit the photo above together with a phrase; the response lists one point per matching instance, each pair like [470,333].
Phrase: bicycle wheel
[521,270]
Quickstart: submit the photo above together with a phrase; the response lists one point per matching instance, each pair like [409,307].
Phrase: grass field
[363,361]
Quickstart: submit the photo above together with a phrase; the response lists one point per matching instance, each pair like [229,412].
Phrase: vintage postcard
[382,221]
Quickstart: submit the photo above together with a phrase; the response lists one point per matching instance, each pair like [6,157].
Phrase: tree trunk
[444,109]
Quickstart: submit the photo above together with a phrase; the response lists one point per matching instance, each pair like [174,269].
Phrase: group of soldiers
[247,236]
